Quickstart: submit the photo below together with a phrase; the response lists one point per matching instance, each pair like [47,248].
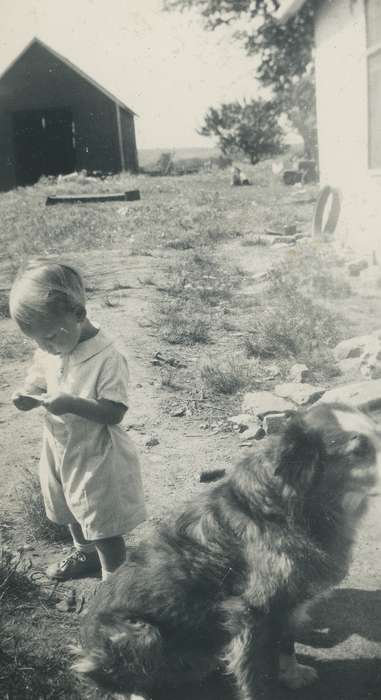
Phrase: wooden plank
[130,196]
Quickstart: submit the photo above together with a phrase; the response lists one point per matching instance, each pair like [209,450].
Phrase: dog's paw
[297,676]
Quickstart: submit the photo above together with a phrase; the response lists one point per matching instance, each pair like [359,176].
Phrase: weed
[167,378]
[182,329]
[14,582]
[227,376]
[184,243]
[257,240]
[4,305]
[33,511]
[292,327]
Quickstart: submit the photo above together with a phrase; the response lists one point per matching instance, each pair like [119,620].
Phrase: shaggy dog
[226,581]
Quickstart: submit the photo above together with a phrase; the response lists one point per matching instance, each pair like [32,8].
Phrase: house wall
[39,80]
[342,108]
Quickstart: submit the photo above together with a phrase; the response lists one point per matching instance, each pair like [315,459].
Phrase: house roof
[71,65]
[288,8]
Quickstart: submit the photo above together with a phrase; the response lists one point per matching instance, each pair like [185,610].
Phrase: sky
[164,66]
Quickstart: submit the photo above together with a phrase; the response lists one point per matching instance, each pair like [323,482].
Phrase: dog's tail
[123,652]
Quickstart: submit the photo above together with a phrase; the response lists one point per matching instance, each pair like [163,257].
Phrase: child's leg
[112,553]
[80,542]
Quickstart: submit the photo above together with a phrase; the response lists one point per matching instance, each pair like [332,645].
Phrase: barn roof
[36,41]
[288,8]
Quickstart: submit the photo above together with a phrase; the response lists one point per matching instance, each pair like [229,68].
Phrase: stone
[254,432]
[362,395]
[301,394]
[356,266]
[179,412]
[287,240]
[354,347]
[370,361]
[260,403]
[350,365]
[290,229]
[274,423]
[299,373]
[242,421]
[152,441]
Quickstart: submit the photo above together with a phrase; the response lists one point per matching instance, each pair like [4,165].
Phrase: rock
[289,240]
[179,412]
[274,423]
[356,266]
[290,229]
[299,373]
[68,603]
[301,394]
[370,361]
[349,365]
[362,395]
[260,403]
[354,347]
[273,371]
[208,475]
[242,421]
[151,441]
[64,606]
[254,432]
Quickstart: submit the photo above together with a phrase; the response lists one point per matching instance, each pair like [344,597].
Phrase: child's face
[58,335]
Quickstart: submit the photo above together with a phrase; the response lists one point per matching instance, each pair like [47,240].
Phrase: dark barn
[55,119]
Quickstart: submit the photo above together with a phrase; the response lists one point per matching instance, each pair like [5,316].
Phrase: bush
[227,376]
[295,320]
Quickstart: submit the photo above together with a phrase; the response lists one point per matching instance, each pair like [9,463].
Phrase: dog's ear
[300,452]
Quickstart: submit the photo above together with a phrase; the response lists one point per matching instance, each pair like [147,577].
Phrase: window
[373,41]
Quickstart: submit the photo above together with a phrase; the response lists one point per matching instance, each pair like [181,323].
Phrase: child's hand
[25,402]
[57,404]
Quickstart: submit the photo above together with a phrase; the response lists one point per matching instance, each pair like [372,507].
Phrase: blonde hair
[45,288]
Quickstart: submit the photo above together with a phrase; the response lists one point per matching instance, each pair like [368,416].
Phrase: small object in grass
[290,229]
[69,603]
[208,475]
[152,441]
[179,412]
[25,548]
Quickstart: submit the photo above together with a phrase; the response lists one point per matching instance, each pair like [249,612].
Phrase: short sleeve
[36,376]
[113,379]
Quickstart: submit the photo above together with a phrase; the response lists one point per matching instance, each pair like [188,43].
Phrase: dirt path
[347,651]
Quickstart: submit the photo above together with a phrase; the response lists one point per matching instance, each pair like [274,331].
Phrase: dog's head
[330,453]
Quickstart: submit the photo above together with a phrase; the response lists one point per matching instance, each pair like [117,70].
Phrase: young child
[89,469]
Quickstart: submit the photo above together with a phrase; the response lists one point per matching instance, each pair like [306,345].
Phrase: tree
[251,128]
[285,51]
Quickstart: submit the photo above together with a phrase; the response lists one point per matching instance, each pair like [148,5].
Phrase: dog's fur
[225,581]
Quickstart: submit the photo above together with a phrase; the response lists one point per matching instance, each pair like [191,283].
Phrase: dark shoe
[77,565]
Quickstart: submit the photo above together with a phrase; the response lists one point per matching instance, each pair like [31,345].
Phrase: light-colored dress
[89,472]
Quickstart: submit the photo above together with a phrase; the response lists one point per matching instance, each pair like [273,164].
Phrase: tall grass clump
[33,511]
[14,582]
[295,318]
[227,376]
[182,325]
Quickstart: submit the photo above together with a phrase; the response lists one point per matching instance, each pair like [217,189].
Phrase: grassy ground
[179,278]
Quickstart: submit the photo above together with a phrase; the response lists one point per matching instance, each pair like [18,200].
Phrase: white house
[348,94]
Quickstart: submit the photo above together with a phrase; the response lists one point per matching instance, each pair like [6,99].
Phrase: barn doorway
[44,143]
